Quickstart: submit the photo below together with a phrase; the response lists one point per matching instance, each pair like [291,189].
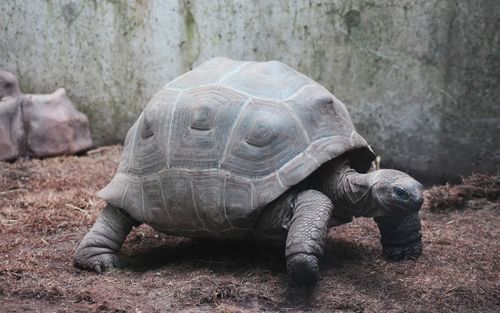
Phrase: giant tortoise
[251,150]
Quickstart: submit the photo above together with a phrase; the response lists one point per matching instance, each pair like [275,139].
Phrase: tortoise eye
[401,193]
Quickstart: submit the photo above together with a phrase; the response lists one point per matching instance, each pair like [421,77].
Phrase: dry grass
[46,206]
[477,191]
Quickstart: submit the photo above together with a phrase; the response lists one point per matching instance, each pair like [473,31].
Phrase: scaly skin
[306,236]
[392,197]
[401,236]
[98,249]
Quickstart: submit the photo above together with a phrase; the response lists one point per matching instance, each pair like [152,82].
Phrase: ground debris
[474,192]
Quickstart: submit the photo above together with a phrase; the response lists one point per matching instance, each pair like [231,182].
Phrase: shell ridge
[236,69]
[224,201]
[255,195]
[132,146]
[228,142]
[196,208]
[143,202]
[313,158]
[351,136]
[299,91]
[165,208]
[297,120]
[174,89]
[123,195]
[244,92]
[217,84]
[174,106]
[176,79]
[278,178]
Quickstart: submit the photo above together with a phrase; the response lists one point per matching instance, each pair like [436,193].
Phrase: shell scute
[294,171]
[202,122]
[321,113]
[209,198]
[154,200]
[263,131]
[266,189]
[144,147]
[180,203]
[265,138]
[237,202]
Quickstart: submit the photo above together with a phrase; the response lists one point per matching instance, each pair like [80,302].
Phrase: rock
[9,87]
[39,125]
[54,126]
[11,128]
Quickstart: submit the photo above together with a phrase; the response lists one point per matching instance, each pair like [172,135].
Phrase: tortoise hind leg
[306,236]
[97,251]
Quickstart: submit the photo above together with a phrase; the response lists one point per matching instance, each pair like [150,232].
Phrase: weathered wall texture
[421,78]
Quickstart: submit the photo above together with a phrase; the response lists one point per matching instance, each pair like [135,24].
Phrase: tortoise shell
[219,143]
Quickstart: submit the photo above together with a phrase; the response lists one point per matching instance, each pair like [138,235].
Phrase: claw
[98,269]
[409,252]
[303,268]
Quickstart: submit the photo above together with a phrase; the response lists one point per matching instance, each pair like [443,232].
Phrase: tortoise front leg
[98,249]
[401,236]
[306,236]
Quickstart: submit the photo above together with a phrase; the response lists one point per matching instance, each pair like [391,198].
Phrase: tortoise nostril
[419,201]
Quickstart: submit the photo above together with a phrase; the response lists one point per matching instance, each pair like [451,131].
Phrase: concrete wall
[421,78]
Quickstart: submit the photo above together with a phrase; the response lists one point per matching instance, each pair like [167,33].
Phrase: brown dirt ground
[46,207]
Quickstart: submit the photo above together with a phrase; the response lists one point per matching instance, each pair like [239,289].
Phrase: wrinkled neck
[350,191]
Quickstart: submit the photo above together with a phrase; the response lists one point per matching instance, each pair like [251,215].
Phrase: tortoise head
[395,192]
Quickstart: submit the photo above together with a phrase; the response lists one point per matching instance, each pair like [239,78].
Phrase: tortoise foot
[303,268]
[91,259]
[401,237]
[401,253]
